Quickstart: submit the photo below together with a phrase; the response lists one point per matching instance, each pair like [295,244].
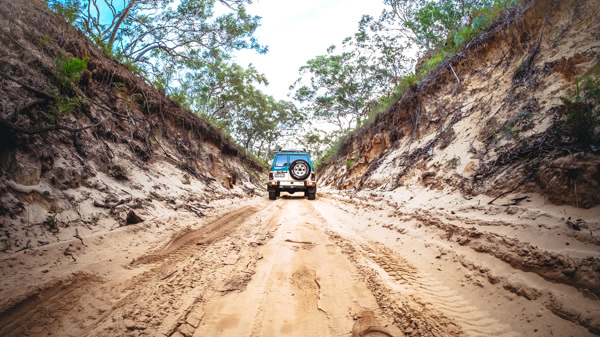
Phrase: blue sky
[297,31]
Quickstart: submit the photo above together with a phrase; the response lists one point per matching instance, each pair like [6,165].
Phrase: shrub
[582,110]
[120,172]
[68,70]
[515,124]
[348,163]
[62,106]
[43,41]
[454,162]
[330,152]
[51,221]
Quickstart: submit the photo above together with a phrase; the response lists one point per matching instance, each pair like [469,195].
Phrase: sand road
[289,267]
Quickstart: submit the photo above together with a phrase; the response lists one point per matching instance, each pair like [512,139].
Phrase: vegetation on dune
[185,48]
[350,88]
[582,111]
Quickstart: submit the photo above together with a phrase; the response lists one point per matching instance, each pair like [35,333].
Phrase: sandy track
[304,286]
[293,267]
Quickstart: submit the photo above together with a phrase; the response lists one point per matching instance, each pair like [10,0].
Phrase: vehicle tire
[272,195]
[306,193]
[299,169]
[312,196]
[278,193]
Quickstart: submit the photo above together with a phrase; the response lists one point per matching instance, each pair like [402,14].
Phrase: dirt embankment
[80,152]
[495,126]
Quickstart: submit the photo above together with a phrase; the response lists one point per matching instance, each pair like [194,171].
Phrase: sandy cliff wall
[495,125]
[125,147]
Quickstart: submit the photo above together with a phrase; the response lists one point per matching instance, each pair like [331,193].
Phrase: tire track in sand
[303,286]
[424,289]
[424,306]
[182,243]
[154,300]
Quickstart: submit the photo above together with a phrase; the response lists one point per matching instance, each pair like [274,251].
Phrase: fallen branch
[471,148]
[169,275]
[516,201]
[195,210]
[27,246]
[77,236]
[512,190]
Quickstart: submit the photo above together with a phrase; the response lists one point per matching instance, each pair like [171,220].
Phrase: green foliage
[155,37]
[454,162]
[68,70]
[330,152]
[68,9]
[250,154]
[342,87]
[227,134]
[350,161]
[120,172]
[431,64]
[43,41]
[133,100]
[180,97]
[428,24]
[118,87]
[516,124]
[62,106]
[583,110]
[184,165]
[385,102]
[51,221]
[6,246]
[135,68]
[432,24]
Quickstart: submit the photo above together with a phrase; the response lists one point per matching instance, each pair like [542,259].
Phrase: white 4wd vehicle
[292,171]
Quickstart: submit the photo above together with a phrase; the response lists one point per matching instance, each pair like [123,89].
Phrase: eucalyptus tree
[430,24]
[341,88]
[259,120]
[141,31]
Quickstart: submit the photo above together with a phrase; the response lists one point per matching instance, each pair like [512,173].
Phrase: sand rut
[39,313]
[427,291]
[205,235]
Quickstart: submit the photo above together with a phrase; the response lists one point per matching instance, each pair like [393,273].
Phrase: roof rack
[292,149]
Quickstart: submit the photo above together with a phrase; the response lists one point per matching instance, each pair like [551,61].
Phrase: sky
[296,31]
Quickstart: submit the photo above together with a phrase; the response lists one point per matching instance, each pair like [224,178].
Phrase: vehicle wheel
[278,193]
[272,195]
[299,169]
[311,196]
[306,193]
